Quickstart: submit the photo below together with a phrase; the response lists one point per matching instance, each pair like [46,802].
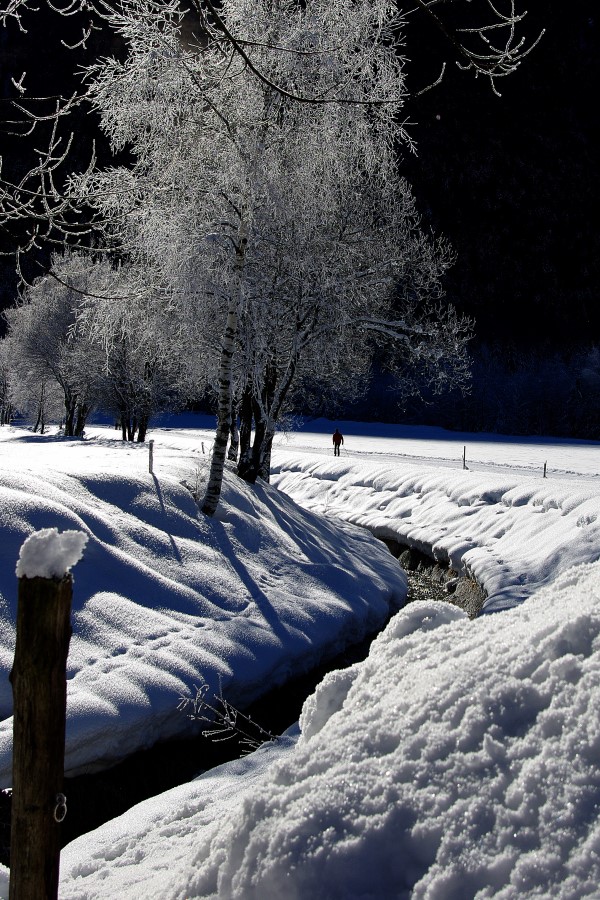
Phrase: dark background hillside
[511,181]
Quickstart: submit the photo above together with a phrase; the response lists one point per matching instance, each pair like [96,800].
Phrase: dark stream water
[95,799]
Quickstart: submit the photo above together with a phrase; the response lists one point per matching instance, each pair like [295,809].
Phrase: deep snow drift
[460,759]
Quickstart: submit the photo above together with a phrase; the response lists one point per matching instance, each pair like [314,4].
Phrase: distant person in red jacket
[337,440]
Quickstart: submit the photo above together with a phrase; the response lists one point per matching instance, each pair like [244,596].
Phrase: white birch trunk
[217,466]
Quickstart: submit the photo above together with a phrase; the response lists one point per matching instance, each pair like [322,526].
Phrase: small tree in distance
[46,343]
[93,334]
[147,360]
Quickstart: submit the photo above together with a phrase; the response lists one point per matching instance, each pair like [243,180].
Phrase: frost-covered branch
[499,49]
[236,44]
[224,722]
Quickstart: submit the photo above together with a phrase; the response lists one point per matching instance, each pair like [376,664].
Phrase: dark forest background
[512,183]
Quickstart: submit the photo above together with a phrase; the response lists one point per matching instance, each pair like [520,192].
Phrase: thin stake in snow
[545,465]
[151,457]
[464,457]
[39,686]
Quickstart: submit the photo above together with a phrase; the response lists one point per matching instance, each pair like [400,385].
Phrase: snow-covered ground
[460,760]
[499,519]
[165,597]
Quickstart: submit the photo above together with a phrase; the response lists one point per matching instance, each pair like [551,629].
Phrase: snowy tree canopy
[282,224]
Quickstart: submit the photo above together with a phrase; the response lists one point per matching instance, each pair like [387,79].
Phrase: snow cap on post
[50,554]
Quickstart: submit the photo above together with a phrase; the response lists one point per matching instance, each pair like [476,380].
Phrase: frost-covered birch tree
[96,331]
[275,215]
[147,359]
[309,321]
[47,345]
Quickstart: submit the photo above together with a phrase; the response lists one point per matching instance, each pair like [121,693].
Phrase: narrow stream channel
[95,799]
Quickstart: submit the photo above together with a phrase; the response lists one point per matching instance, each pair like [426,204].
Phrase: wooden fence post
[39,686]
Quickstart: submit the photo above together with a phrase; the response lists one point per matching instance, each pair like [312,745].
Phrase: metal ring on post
[60,810]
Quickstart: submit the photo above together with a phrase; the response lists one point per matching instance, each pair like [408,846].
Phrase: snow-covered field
[459,760]
[499,519]
[164,596]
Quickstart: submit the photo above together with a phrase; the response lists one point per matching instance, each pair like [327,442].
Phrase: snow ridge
[512,535]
